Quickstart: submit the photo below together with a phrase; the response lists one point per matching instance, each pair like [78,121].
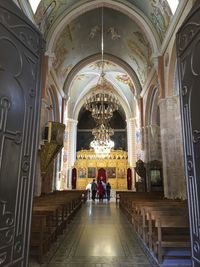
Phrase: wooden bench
[151,213]
[40,236]
[172,232]
[53,212]
[142,209]
[146,209]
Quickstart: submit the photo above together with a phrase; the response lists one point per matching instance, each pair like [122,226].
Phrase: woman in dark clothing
[100,190]
[108,188]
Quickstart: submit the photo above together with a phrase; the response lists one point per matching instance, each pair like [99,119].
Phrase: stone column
[152,143]
[57,171]
[71,149]
[151,147]
[172,148]
[131,137]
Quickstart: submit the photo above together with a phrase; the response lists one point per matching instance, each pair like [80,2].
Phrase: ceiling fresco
[88,77]
[122,39]
[157,11]
[125,40]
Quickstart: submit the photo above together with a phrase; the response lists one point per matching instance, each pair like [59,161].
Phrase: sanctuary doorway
[101,175]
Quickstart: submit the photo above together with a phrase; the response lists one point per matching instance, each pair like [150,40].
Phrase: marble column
[172,148]
[57,172]
[71,149]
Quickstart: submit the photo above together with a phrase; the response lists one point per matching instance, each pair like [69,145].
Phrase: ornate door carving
[20,63]
[188,52]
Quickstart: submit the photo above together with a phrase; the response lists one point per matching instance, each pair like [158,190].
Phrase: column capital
[155,59]
[51,57]
[131,120]
[71,120]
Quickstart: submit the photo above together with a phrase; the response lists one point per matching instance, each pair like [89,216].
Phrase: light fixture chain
[102,40]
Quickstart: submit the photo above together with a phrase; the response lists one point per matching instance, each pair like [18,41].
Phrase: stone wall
[172,148]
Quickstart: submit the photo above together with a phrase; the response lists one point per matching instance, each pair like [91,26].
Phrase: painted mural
[87,78]
[82,38]
[125,79]
[157,11]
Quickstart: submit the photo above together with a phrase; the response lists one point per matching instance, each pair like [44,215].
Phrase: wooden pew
[127,200]
[145,209]
[53,211]
[40,236]
[142,214]
[150,215]
[168,234]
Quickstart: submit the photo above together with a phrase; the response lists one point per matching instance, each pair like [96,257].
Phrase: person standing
[100,191]
[108,188]
[88,188]
[104,187]
[93,189]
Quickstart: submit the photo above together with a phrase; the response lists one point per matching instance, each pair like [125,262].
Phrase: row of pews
[162,224]
[51,214]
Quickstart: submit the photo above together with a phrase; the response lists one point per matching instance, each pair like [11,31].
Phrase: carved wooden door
[20,67]
[188,52]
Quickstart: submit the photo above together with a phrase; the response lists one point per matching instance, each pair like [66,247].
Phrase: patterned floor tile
[99,236]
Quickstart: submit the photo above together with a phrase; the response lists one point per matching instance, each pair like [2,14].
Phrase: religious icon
[82,172]
[156,179]
[91,172]
[111,172]
[121,173]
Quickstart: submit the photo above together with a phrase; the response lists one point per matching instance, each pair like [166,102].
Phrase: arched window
[34,4]
[173,5]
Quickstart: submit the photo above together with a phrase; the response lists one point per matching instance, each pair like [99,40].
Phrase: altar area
[113,167]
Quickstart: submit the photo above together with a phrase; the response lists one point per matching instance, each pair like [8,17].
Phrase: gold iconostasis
[115,164]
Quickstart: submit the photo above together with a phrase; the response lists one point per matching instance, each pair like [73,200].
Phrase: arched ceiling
[84,82]
[157,11]
[123,38]
[133,33]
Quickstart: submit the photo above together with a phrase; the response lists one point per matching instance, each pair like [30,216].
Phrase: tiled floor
[99,236]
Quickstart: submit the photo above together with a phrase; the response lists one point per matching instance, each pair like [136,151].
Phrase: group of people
[100,189]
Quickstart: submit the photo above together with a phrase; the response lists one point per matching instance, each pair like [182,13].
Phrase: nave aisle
[99,236]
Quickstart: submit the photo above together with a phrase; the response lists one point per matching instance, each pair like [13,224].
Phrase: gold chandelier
[102,133]
[102,103]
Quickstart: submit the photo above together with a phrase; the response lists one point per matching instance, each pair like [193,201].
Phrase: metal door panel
[20,76]
[188,52]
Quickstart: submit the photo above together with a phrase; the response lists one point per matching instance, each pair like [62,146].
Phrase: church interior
[103,91]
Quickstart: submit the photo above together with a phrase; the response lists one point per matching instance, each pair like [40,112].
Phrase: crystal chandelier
[102,104]
[102,148]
